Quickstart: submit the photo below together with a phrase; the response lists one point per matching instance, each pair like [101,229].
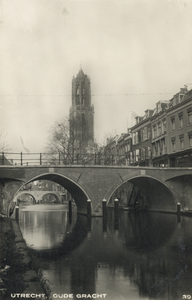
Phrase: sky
[136,52]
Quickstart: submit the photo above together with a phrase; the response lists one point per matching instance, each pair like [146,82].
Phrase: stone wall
[7,192]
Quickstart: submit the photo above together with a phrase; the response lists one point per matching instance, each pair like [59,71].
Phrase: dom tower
[81,113]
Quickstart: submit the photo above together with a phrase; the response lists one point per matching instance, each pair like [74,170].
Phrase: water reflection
[129,256]
[44,226]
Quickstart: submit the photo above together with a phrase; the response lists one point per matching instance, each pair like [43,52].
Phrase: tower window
[82,93]
[77,95]
[83,126]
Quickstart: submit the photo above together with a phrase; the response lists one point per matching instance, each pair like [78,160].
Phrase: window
[164,126]
[190,139]
[83,126]
[189,111]
[148,152]
[137,138]
[145,133]
[181,120]
[181,97]
[77,95]
[154,150]
[154,131]
[159,129]
[136,154]
[173,145]
[142,153]
[134,138]
[131,157]
[163,146]
[82,93]
[181,142]
[173,123]
[149,132]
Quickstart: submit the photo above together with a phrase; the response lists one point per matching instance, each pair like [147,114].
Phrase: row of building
[160,138]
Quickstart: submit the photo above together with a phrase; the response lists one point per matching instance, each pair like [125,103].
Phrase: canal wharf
[17,271]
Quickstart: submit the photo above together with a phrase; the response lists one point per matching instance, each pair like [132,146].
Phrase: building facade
[170,142]
[159,153]
[179,129]
[81,117]
[125,149]
[160,138]
[141,143]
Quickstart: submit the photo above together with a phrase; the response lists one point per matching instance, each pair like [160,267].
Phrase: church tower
[81,112]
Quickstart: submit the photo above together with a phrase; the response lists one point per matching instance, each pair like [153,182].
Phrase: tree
[64,147]
[3,143]
[108,152]
[4,147]
[59,147]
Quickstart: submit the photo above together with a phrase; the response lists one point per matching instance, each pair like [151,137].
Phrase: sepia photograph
[96,149]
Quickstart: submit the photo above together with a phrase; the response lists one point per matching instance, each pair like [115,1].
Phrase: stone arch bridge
[39,195]
[163,187]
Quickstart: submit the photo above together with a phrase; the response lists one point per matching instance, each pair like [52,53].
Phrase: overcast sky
[136,53]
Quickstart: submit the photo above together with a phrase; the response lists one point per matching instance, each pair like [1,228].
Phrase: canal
[129,256]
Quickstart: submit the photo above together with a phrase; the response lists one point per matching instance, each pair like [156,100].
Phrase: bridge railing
[21,158]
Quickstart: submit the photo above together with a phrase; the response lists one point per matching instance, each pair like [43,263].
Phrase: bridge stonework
[163,187]
[38,195]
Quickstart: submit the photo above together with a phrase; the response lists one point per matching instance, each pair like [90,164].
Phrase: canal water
[129,256]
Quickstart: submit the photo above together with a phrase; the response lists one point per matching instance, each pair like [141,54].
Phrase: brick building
[179,129]
[109,153]
[160,138]
[124,149]
[159,154]
[141,139]
[170,141]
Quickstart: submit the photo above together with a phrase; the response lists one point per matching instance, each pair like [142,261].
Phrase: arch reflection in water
[146,256]
[44,226]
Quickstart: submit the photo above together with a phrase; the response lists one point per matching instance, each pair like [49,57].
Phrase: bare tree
[109,151]
[4,147]
[3,143]
[65,148]
[59,146]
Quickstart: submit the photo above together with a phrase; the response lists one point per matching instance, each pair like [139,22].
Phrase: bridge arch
[24,193]
[36,195]
[15,201]
[78,193]
[50,193]
[158,194]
